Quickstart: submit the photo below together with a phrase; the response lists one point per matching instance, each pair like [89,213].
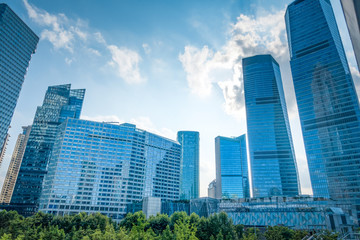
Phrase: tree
[158,223]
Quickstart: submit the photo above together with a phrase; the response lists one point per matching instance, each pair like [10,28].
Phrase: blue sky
[163,65]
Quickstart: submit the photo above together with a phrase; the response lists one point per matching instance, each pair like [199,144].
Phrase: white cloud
[146,48]
[57,29]
[248,36]
[126,63]
[68,61]
[69,34]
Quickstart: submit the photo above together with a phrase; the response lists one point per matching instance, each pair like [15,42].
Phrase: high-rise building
[327,101]
[212,189]
[232,178]
[3,149]
[189,180]
[17,44]
[13,170]
[352,15]
[272,159]
[61,102]
[101,167]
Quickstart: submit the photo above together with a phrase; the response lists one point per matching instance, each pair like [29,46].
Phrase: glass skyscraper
[189,180]
[17,44]
[272,158]
[101,167]
[327,101]
[232,178]
[60,103]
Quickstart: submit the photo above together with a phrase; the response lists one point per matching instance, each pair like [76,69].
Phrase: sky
[165,66]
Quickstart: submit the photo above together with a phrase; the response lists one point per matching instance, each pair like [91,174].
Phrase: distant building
[3,149]
[60,102]
[272,158]
[13,170]
[351,10]
[212,189]
[102,167]
[189,181]
[232,178]
[17,44]
[327,100]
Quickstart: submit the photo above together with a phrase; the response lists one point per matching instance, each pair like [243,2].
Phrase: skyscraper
[3,149]
[232,178]
[352,15]
[60,103]
[17,44]
[272,158]
[101,167]
[189,180]
[13,170]
[327,101]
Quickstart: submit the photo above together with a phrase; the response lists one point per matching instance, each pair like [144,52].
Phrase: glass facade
[272,158]
[327,101]
[60,102]
[189,181]
[102,167]
[232,178]
[17,44]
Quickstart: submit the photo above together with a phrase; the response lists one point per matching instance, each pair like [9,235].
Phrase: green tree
[131,220]
[279,233]
[158,223]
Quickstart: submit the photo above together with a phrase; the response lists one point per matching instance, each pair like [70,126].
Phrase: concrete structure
[14,167]
[151,206]
[212,189]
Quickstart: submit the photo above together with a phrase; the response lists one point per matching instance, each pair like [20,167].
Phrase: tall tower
[327,101]
[189,180]
[272,158]
[13,170]
[60,103]
[17,44]
[352,15]
[232,178]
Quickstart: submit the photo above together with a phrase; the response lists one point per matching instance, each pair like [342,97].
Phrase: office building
[272,158]
[351,10]
[17,44]
[102,167]
[13,170]
[60,102]
[3,149]
[232,178]
[327,101]
[189,180]
[212,189]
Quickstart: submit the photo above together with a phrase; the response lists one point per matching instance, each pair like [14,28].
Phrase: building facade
[60,102]
[3,149]
[212,189]
[232,178]
[102,167]
[351,10]
[17,44]
[190,181]
[14,167]
[272,158]
[327,101]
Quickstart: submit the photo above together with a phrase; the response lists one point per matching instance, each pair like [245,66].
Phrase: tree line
[179,226]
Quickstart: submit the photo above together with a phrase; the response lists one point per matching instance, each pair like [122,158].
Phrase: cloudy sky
[163,65]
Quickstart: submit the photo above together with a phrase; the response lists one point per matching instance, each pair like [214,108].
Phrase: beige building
[3,149]
[15,163]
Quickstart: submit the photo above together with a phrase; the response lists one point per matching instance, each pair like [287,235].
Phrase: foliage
[178,226]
